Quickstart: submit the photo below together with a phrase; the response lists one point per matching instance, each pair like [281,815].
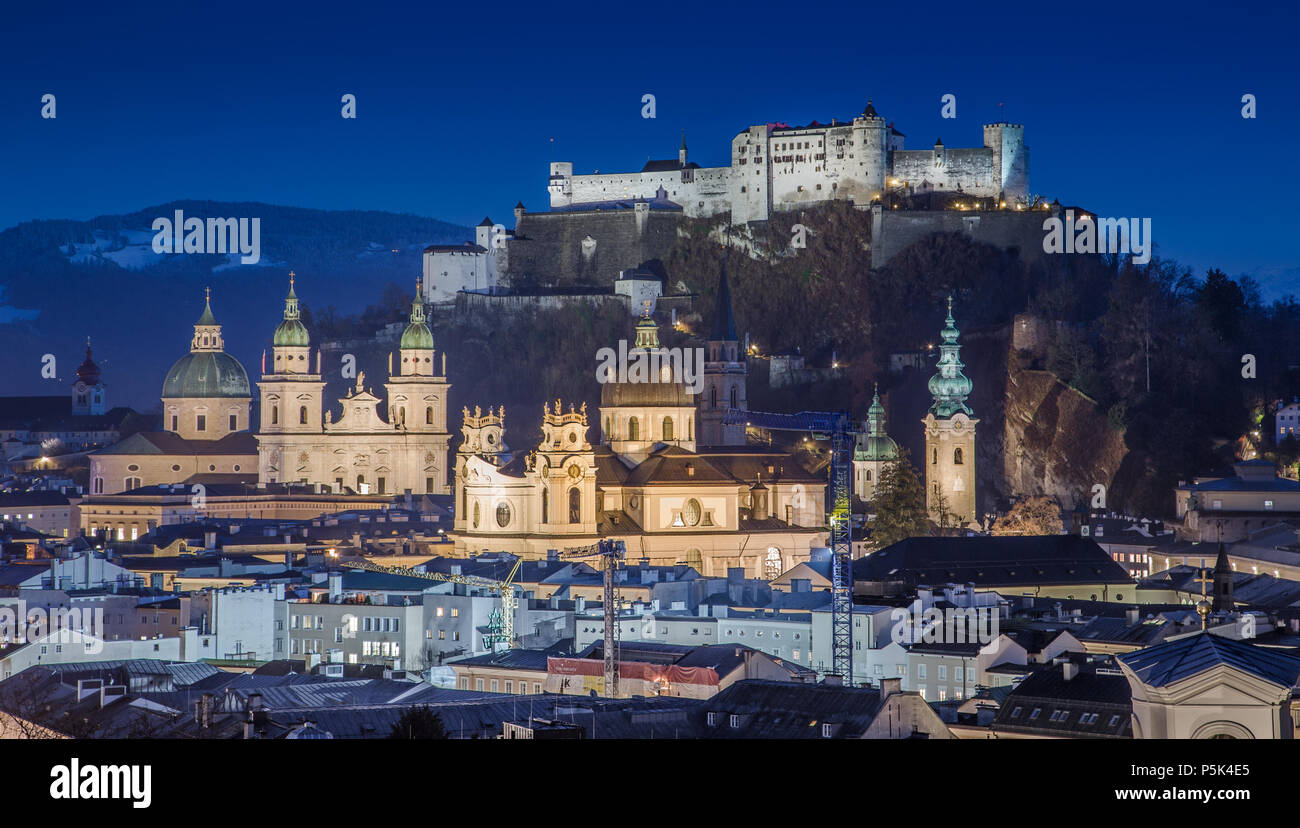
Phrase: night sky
[1130,110]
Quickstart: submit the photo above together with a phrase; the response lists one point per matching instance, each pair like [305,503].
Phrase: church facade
[402,449]
[645,481]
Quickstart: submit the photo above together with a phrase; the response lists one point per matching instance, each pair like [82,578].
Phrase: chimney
[288,559]
[1133,614]
[210,539]
[889,687]
[1069,670]
[579,604]
[336,587]
[833,680]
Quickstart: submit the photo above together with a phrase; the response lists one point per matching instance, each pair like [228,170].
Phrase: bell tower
[724,376]
[292,394]
[950,437]
[417,397]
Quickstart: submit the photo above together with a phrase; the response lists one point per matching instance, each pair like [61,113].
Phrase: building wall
[110,473]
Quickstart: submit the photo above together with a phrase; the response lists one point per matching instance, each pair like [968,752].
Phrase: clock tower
[950,437]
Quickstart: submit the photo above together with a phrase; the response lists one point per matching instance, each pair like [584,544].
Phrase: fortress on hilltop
[776,167]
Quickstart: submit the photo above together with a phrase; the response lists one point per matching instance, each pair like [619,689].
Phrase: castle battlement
[777,167]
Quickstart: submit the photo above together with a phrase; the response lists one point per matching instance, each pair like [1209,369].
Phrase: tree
[899,504]
[943,516]
[419,723]
[1033,515]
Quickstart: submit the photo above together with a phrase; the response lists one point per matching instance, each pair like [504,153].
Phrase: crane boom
[832,425]
[506,588]
[611,552]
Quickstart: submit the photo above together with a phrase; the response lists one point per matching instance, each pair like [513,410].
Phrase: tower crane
[507,589]
[612,552]
[833,426]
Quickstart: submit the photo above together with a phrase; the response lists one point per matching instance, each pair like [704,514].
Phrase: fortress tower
[1010,159]
[950,436]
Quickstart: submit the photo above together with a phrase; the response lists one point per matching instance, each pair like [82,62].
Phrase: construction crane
[502,633]
[833,426]
[612,553]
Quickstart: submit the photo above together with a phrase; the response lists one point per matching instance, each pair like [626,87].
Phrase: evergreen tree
[419,723]
[899,504]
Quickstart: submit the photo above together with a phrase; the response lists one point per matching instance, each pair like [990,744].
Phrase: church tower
[950,436]
[565,469]
[417,397]
[724,376]
[88,390]
[873,451]
[292,395]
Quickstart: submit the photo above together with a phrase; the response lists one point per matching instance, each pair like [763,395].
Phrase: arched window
[713,397]
[428,415]
[575,505]
[462,501]
[868,475]
[934,460]
[503,514]
[361,481]
[275,415]
[956,457]
[735,397]
[302,415]
[633,429]
[478,513]
[668,429]
[546,506]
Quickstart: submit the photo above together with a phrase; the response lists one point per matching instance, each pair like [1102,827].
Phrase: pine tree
[419,723]
[899,504]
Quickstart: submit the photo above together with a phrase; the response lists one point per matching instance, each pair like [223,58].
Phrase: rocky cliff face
[1055,440]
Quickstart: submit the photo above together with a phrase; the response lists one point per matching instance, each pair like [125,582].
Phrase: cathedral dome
[206,374]
[670,394]
[207,370]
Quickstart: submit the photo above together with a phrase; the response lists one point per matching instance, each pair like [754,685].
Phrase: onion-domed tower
[950,436]
[88,390]
[873,451]
[417,403]
[206,395]
[292,394]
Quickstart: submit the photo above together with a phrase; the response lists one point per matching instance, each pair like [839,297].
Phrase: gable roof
[1173,661]
[993,562]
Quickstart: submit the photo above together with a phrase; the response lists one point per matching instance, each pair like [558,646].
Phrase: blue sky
[1130,109]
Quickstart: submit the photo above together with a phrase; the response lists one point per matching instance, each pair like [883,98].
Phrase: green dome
[417,335]
[206,374]
[291,333]
[875,445]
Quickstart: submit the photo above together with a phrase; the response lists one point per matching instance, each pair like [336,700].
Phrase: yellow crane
[507,589]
